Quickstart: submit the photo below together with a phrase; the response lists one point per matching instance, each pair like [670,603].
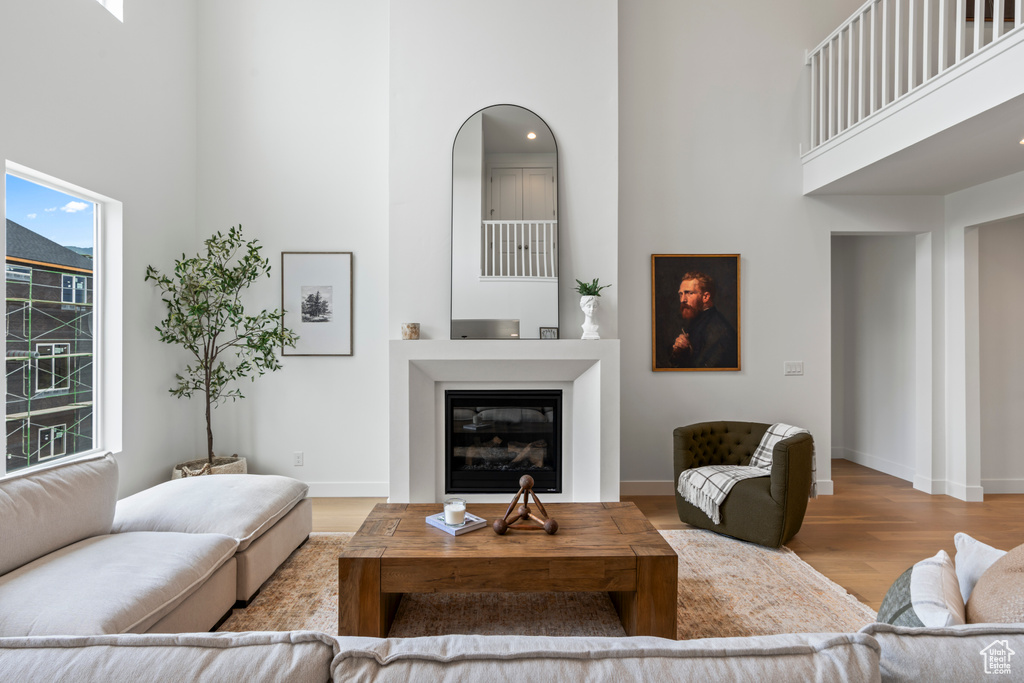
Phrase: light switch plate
[792,368]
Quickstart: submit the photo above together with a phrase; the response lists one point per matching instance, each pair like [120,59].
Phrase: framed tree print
[316,296]
[695,312]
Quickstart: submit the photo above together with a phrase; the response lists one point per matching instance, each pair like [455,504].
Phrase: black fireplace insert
[493,438]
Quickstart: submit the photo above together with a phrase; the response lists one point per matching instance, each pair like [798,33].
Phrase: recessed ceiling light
[1022,142]
[531,135]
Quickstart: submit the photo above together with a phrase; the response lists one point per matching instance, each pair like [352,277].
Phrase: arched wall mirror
[504,226]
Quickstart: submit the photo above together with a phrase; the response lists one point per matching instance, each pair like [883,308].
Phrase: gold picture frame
[702,334]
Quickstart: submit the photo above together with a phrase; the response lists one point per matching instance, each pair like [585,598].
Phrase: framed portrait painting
[316,297]
[695,312]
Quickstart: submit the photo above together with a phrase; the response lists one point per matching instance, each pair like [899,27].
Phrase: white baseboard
[969,494]
[883,465]
[936,487]
[665,487]
[341,489]
[1003,485]
[825,487]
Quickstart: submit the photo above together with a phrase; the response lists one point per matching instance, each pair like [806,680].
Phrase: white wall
[293,144]
[710,123]
[1001,290]
[450,58]
[111,107]
[965,211]
[873,342]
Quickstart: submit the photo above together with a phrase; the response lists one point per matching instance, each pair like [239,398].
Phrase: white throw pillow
[972,559]
[935,592]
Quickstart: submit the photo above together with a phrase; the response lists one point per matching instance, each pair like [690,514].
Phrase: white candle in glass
[454,512]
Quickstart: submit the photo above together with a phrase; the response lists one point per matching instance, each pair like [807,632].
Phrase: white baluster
[897,49]
[874,54]
[885,52]
[861,65]
[822,130]
[849,78]
[814,100]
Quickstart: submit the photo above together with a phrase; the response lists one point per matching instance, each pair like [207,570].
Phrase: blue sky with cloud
[57,216]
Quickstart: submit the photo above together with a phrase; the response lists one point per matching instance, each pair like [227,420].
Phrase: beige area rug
[726,588]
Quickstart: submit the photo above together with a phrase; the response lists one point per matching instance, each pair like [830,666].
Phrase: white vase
[589,306]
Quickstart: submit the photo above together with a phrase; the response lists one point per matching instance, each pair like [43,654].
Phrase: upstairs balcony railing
[889,48]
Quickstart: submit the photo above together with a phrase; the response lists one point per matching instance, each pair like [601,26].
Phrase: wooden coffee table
[607,547]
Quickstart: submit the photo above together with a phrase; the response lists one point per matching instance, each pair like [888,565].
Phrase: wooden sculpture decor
[521,517]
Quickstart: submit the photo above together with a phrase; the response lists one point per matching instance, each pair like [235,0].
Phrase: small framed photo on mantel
[316,297]
[549,333]
[695,312]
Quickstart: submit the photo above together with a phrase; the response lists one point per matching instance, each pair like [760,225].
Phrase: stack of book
[472,523]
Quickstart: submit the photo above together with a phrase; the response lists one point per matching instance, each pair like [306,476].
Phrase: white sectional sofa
[66,570]
[78,603]
[302,656]
[62,571]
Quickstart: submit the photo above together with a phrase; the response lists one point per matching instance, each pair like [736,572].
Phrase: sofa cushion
[801,657]
[241,506]
[108,584]
[45,509]
[927,594]
[955,653]
[998,596]
[973,558]
[298,656]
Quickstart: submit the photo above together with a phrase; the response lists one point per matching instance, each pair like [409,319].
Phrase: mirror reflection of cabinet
[504,226]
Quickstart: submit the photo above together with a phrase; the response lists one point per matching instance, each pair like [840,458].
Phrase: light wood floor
[863,537]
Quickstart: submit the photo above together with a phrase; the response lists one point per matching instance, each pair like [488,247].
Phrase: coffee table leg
[651,609]
[362,609]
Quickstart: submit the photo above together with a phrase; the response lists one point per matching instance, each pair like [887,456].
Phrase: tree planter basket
[233,465]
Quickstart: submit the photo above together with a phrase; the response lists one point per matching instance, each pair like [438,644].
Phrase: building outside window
[73,289]
[51,311]
[53,365]
[19,273]
[51,441]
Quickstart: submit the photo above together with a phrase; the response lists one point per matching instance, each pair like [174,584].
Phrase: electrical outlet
[792,368]
[297,458]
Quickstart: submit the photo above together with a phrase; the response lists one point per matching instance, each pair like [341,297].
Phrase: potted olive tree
[206,317]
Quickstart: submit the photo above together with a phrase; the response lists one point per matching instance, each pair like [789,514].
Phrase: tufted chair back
[718,443]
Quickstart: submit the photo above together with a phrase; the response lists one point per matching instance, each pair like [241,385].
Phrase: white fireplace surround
[586,371]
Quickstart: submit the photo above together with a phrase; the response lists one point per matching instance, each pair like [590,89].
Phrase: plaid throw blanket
[707,487]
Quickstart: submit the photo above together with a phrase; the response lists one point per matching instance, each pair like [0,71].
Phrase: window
[53,371]
[73,289]
[19,273]
[52,441]
[52,234]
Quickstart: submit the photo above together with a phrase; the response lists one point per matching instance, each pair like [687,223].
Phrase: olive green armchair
[766,510]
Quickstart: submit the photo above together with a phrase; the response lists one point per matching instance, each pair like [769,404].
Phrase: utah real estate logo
[997,657]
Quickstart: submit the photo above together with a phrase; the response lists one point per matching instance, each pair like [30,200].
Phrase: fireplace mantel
[588,370]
